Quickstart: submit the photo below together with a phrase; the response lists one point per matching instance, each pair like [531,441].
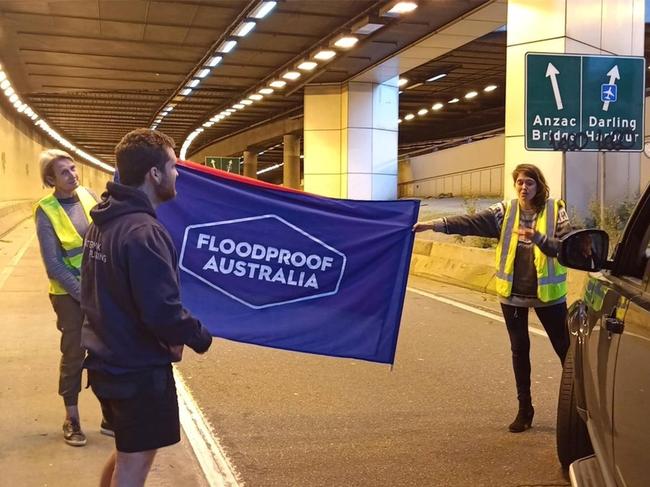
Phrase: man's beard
[165,191]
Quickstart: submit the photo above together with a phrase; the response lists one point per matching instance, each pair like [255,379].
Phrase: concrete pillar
[578,27]
[250,164]
[291,157]
[350,140]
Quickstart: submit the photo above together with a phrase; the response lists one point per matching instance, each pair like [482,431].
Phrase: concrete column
[578,27]
[350,140]
[250,164]
[291,168]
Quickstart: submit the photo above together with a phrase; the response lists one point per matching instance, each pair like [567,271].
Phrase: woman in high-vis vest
[528,274]
[62,219]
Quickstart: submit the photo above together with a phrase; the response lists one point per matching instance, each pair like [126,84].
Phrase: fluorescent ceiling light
[278,83]
[471,94]
[256,97]
[244,28]
[346,42]
[324,55]
[399,120]
[266,91]
[203,73]
[422,111]
[401,8]
[246,102]
[214,60]
[489,88]
[5,84]
[437,77]
[437,106]
[3,76]
[230,110]
[263,9]
[292,75]
[409,116]
[238,106]
[453,100]
[307,65]
[194,83]
[186,91]
[9,91]
[13,97]
[227,46]
[402,81]
[208,124]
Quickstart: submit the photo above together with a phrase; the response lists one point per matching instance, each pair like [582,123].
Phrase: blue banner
[286,269]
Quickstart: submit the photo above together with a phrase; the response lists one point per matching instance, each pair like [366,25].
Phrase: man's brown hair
[138,152]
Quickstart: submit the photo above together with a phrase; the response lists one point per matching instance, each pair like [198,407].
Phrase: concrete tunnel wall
[20,183]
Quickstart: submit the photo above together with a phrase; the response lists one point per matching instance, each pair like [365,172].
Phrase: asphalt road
[439,418]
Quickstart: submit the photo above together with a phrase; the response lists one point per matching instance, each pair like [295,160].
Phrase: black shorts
[142,408]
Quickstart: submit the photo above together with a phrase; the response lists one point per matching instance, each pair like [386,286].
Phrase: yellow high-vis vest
[71,241]
[551,275]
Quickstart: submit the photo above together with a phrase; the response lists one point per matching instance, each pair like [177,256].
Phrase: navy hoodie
[134,318]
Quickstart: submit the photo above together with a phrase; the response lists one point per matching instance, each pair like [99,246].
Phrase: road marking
[471,309]
[214,463]
[13,263]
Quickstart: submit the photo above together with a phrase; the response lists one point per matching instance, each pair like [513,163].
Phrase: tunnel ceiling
[97,69]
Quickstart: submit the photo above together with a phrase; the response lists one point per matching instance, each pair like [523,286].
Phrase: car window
[633,252]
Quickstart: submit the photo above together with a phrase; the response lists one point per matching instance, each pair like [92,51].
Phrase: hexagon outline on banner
[240,300]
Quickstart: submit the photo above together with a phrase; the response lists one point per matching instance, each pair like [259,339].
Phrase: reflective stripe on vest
[551,275]
[71,241]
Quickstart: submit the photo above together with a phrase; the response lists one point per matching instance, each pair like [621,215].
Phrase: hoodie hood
[120,200]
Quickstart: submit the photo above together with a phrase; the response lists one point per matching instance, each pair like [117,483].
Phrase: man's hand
[202,341]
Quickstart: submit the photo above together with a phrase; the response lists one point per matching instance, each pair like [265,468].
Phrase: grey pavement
[438,418]
[32,451]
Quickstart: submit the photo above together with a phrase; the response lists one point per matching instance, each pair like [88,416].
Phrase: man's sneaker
[72,433]
[106,428]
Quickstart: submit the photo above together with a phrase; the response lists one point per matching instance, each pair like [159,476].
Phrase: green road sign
[228,164]
[586,103]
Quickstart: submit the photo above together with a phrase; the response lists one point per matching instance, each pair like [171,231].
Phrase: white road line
[471,309]
[214,463]
[13,263]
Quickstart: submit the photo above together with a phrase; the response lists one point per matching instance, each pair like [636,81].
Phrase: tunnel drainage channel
[216,467]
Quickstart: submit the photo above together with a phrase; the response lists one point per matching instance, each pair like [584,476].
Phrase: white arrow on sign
[552,72]
[613,76]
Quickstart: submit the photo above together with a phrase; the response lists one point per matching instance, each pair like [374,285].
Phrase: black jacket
[134,318]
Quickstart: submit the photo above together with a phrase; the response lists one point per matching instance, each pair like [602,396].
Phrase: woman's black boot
[524,419]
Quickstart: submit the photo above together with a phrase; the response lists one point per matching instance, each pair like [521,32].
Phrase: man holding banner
[136,325]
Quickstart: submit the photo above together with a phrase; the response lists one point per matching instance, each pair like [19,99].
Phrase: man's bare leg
[107,473]
[131,469]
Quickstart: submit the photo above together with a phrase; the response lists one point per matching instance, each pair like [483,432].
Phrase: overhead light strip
[24,109]
[439,105]
[342,40]
[227,45]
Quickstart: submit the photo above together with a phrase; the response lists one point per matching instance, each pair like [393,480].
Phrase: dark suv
[603,420]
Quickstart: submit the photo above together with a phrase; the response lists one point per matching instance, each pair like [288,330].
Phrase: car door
[599,352]
[614,342]
[631,423]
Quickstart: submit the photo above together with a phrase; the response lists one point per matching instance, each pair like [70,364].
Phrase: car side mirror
[585,250]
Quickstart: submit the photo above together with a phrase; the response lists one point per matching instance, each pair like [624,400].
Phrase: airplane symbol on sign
[608,94]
